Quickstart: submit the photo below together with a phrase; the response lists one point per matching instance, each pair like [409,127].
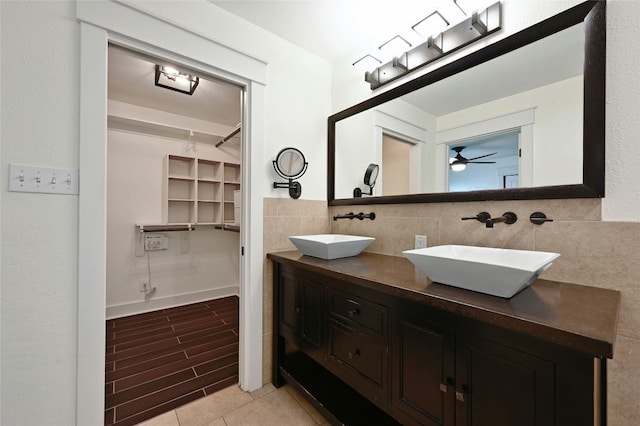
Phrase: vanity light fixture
[367,63]
[394,47]
[431,26]
[469,6]
[476,26]
[173,79]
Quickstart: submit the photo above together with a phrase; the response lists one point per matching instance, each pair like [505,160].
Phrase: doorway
[485,162]
[99,26]
[173,168]
[396,161]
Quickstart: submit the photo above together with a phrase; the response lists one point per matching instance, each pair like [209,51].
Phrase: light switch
[42,179]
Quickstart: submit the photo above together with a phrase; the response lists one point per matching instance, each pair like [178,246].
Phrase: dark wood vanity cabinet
[301,313]
[445,376]
[369,354]
[423,369]
[358,345]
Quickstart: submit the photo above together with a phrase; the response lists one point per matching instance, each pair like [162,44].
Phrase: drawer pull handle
[354,312]
[298,310]
[443,388]
[460,396]
[354,354]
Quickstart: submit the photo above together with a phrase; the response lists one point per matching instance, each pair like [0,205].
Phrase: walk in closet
[174,169]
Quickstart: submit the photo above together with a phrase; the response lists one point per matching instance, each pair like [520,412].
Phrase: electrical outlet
[421,241]
[144,285]
[156,242]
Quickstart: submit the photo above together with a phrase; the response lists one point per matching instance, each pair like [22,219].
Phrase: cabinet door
[500,386]
[310,302]
[423,372]
[301,305]
[288,305]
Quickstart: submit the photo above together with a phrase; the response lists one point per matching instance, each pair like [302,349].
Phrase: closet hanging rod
[166,228]
[230,135]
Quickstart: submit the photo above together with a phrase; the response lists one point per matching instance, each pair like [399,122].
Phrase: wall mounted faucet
[509,218]
[352,215]
[480,217]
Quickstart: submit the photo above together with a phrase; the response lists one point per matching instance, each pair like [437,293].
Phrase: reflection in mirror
[527,104]
[489,162]
[370,176]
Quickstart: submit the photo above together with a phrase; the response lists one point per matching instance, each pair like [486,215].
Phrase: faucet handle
[480,217]
[538,218]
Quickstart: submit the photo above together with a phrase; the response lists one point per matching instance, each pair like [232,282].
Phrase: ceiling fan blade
[482,156]
[481,162]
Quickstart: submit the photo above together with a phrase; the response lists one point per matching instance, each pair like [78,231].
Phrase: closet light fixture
[173,79]
[431,26]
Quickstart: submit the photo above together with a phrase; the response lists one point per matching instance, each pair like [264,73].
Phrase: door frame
[100,24]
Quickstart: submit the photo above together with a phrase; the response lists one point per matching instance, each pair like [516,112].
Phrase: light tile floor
[267,406]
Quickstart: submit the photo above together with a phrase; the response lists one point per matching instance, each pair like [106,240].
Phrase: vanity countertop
[575,316]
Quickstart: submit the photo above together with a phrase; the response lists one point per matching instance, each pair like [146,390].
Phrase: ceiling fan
[459,163]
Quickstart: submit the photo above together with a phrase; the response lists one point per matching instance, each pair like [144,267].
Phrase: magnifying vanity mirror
[370,176]
[525,116]
[290,164]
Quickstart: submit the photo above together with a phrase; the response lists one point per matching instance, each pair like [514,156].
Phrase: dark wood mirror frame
[593,14]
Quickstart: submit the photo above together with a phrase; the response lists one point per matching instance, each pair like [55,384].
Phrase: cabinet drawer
[362,312]
[358,354]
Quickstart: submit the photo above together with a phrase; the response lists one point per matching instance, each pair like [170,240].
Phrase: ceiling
[334,29]
[132,80]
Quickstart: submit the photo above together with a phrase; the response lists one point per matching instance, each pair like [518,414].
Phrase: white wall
[622,194]
[135,180]
[40,126]
[39,231]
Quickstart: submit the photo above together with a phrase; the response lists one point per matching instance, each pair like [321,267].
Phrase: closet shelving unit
[196,191]
[199,191]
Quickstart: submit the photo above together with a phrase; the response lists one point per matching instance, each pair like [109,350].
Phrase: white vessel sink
[499,272]
[331,246]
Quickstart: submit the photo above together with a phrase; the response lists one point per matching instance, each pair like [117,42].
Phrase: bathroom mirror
[559,151]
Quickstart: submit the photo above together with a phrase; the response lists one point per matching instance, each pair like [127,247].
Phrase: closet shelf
[184,227]
[165,228]
[159,129]
[227,227]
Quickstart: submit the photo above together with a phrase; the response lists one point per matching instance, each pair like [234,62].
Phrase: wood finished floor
[158,361]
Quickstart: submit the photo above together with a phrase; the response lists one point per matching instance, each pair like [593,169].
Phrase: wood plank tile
[223,384]
[140,357]
[205,332]
[144,366]
[165,395]
[211,345]
[215,364]
[150,387]
[228,355]
[152,358]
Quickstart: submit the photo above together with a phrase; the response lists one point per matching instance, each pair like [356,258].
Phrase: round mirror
[290,163]
[371,175]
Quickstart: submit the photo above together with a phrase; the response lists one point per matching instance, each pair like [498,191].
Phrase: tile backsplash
[593,253]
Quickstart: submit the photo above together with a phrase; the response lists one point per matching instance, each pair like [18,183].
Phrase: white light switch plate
[42,179]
